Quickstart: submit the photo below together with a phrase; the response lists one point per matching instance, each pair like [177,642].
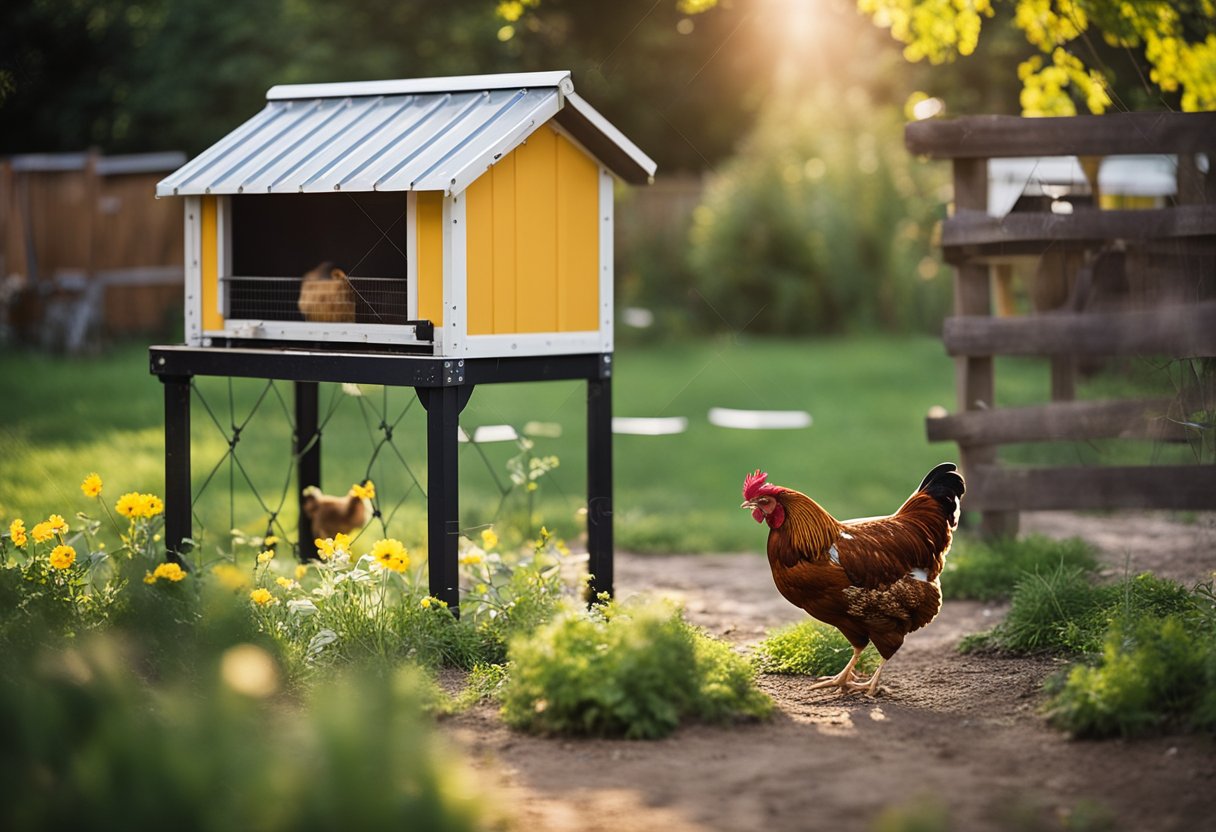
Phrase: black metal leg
[177,464]
[443,406]
[308,458]
[599,484]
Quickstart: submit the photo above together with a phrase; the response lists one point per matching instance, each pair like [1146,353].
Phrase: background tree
[1081,47]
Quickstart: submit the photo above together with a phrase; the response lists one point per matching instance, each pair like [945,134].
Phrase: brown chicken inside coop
[331,515]
[874,579]
[326,296]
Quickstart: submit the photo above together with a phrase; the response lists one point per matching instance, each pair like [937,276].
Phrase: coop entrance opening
[323,258]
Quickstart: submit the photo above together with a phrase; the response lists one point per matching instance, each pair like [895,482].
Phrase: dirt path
[953,736]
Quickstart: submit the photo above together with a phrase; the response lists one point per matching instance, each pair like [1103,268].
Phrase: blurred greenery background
[784,258]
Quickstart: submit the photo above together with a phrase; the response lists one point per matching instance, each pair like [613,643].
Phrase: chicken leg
[843,679]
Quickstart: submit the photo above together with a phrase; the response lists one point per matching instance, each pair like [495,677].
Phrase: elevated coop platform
[443,386]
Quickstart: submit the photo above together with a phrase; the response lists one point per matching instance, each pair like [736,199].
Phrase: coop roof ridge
[558,79]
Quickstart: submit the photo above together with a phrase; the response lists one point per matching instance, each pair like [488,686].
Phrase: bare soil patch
[959,733]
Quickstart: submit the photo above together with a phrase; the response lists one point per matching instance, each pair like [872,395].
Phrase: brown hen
[326,296]
[330,515]
[874,579]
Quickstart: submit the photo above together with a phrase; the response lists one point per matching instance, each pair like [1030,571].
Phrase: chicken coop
[436,233]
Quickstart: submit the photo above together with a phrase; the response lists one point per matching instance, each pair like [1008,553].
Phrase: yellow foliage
[940,30]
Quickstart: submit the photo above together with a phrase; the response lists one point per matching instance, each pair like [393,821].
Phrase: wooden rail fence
[1165,308]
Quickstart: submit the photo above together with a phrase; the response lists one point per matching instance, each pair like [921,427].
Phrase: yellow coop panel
[429,214]
[533,241]
[578,239]
[209,266]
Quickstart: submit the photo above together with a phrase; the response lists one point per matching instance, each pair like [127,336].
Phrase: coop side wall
[537,246]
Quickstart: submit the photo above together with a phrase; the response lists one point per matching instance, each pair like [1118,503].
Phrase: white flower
[320,641]
[301,606]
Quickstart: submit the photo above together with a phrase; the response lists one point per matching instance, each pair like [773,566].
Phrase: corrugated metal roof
[394,136]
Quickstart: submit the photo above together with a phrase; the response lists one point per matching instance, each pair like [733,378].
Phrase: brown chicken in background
[874,579]
[326,296]
[330,515]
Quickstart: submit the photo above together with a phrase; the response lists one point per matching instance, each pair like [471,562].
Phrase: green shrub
[1151,669]
[1158,663]
[989,570]
[636,671]
[810,648]
[824,220]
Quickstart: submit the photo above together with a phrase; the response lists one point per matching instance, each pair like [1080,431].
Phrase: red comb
[756,484]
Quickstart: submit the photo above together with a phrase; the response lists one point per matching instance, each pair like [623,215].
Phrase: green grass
[866,450]
[989,570]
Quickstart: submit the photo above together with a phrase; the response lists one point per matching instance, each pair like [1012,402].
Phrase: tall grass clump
[1061,610]
[989,570]
[809,648]
[635,670]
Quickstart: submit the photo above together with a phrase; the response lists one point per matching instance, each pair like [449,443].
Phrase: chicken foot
[843,679]
[870,686]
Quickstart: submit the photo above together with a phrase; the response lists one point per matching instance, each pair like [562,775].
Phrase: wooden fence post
[975,379]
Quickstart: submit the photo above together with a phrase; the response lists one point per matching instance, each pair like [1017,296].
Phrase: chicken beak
[748,504]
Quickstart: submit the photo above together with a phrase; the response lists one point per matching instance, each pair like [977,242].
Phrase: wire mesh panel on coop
[321,258]
[462,217]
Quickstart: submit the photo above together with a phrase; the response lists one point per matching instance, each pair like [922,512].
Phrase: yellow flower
[91,485]
[325,548]
[230,576]
[62,557]
[391,554]
[364,491]
[16,530]
[473,557]
[270,542]
[58,524]
[261,596]
[286,583]
[265,557]
[129,504]
[301,571]
[532,486]
[149,578]
[489,539]
[342,543]
[150,505]
[481,589]
[431,601]
[42,532]
[170,572]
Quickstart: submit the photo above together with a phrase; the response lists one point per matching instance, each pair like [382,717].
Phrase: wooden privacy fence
[1102,283]
[84,244]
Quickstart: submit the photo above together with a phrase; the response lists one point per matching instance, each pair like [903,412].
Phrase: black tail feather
[945,485]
